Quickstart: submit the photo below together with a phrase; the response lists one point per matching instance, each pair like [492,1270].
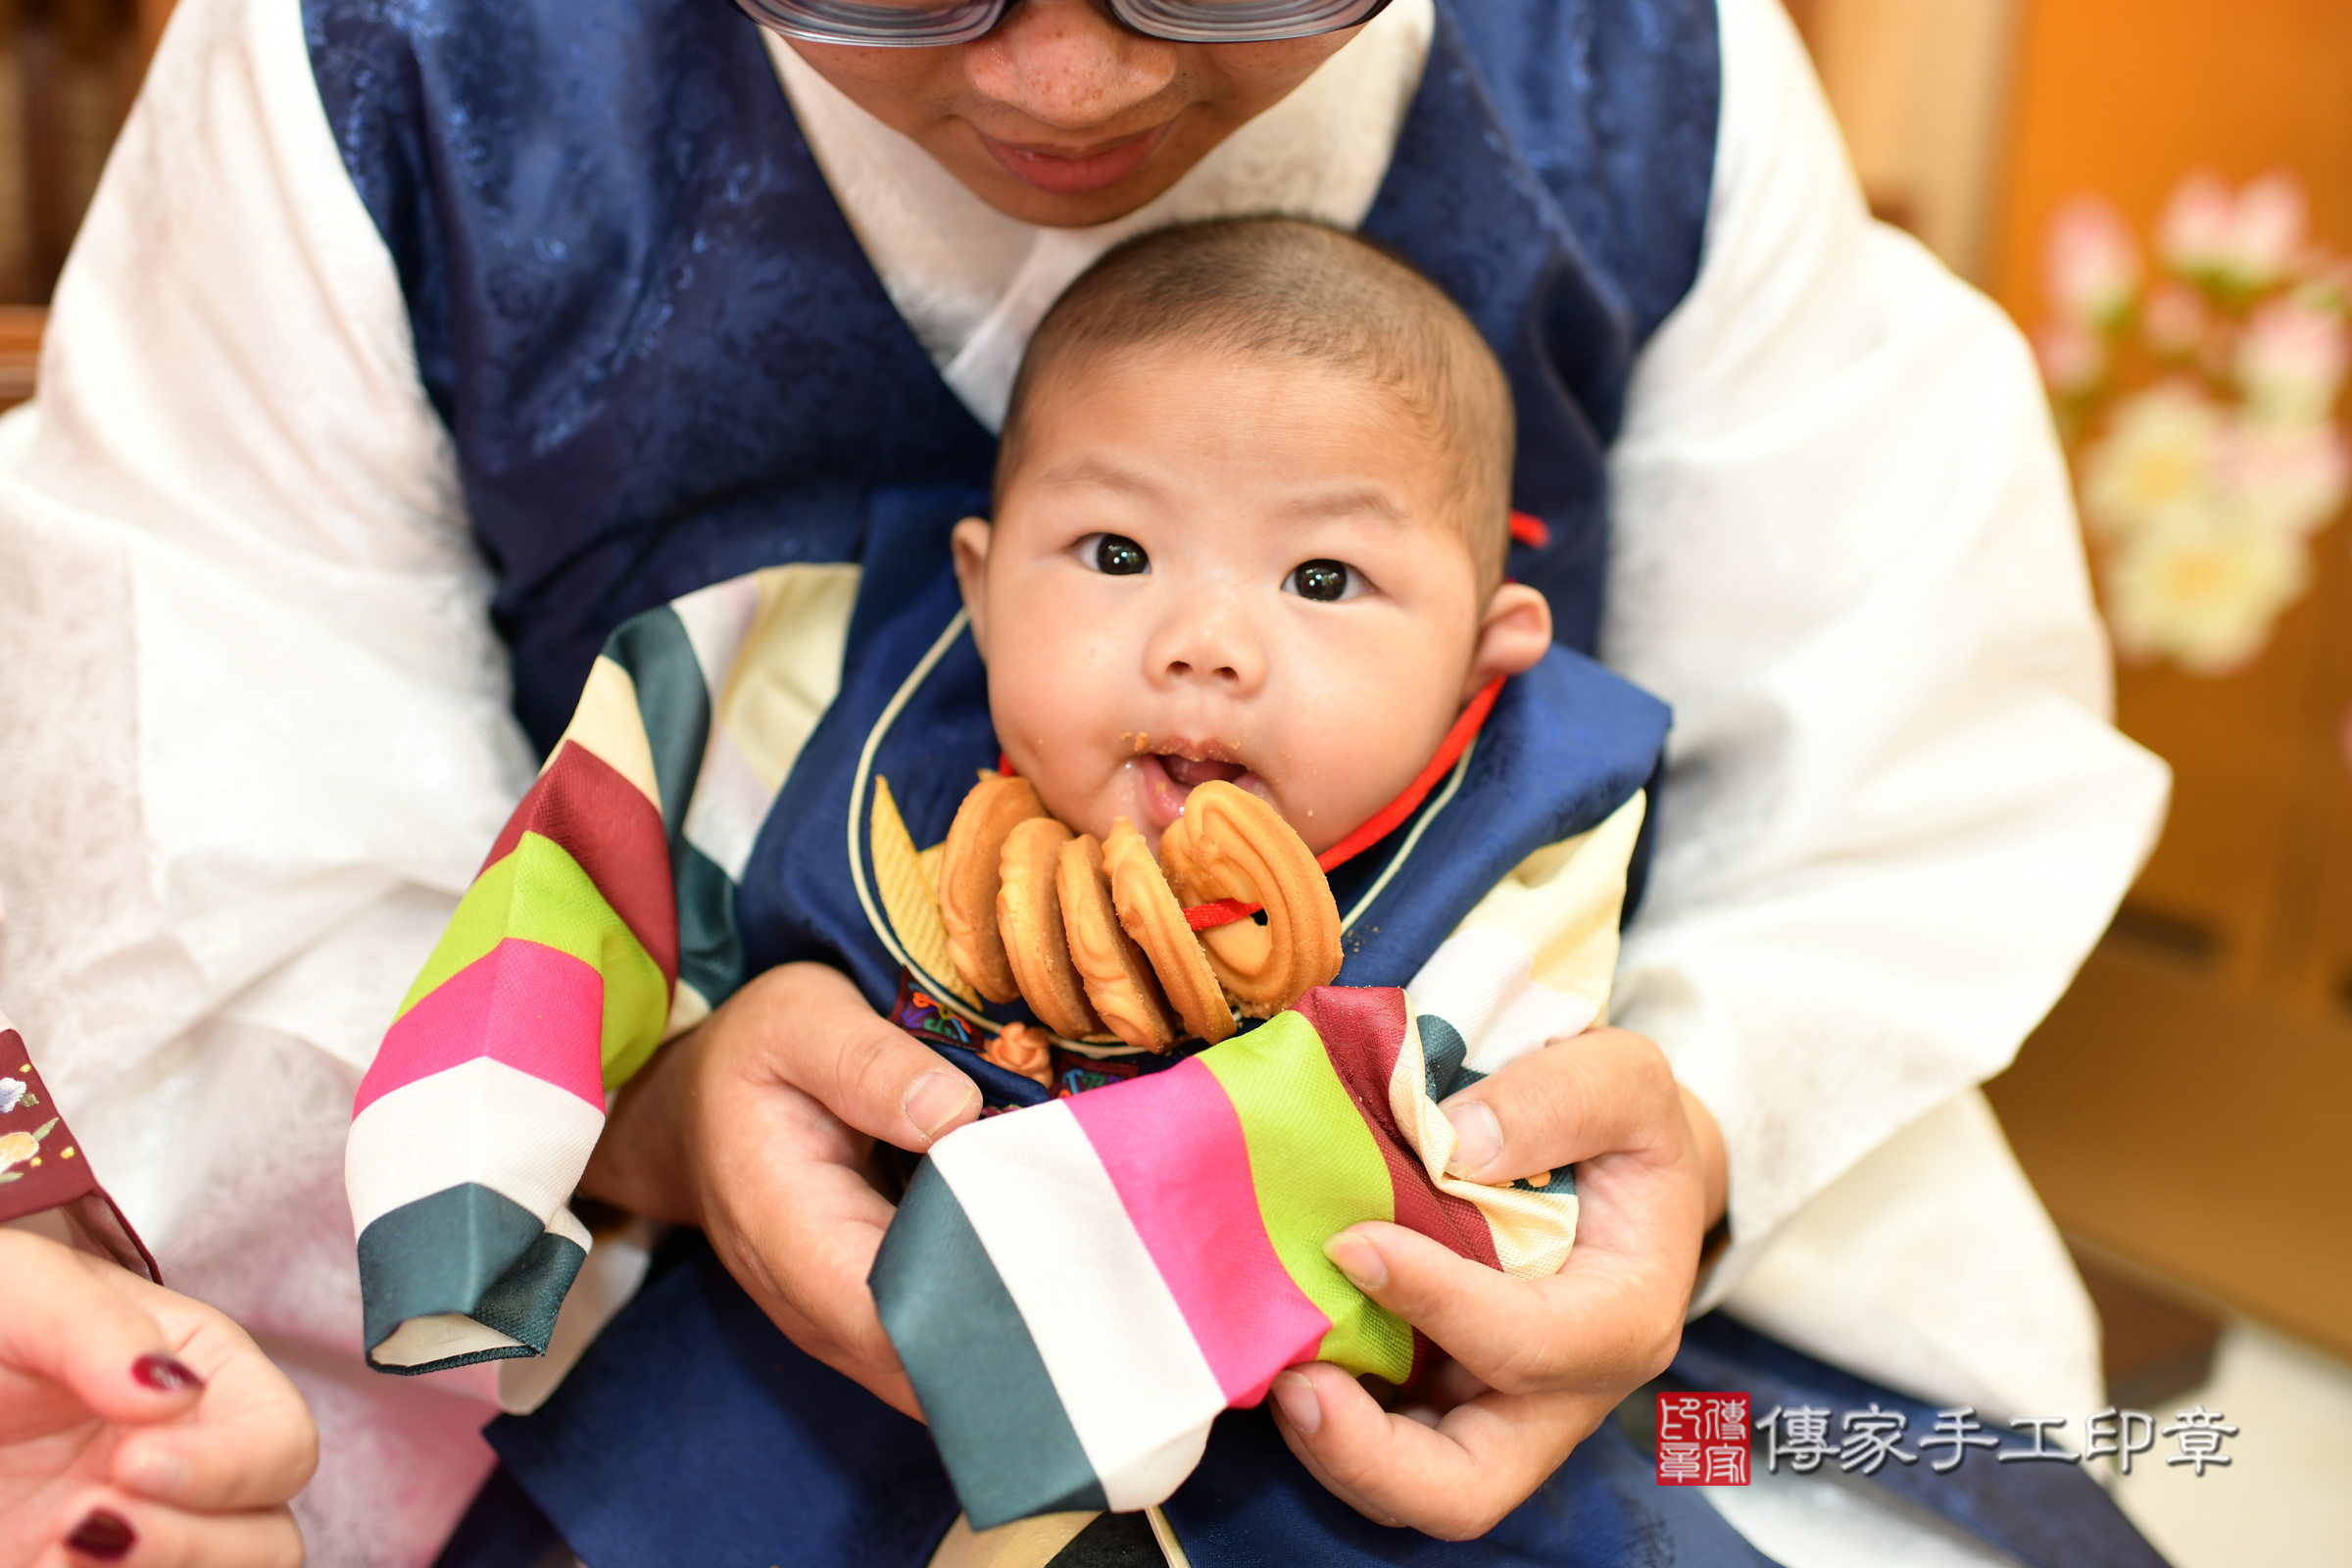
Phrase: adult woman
[584,279]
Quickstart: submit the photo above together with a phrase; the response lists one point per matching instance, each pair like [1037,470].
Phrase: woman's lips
[1066,174]
[1166,780]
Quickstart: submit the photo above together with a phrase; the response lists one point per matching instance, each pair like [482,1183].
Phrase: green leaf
[44,1129]
[12,1176]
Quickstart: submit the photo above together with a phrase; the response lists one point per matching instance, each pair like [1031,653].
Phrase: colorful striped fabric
[1079,1288]
[601,922]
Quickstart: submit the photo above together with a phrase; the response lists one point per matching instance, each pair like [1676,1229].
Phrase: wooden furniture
[2188,1105]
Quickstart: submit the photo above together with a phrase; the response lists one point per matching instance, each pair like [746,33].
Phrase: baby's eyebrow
[1369,501]
[1096,471]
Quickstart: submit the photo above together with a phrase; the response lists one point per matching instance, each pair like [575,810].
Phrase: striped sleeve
[1078,1289]
[601,922]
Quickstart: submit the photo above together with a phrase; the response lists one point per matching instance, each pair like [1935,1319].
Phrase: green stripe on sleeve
[538,892]
[1317,1171]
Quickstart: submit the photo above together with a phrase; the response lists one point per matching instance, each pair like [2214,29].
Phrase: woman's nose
[1207,641]
[1068,64]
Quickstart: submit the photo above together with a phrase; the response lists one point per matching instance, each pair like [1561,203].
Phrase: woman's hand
[1535,1364]
[759,1127]
[138,1427]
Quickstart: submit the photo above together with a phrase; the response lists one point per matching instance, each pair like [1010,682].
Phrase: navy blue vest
[665,362]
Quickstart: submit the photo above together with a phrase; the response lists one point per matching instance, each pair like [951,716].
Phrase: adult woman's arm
[759,1127]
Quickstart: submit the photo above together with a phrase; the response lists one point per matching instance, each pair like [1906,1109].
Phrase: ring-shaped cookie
[1155,920]
[1029,921]
[1229,844]
[1119,984]
[968,871]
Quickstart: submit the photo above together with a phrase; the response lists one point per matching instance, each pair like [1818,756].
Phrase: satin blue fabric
[665,362]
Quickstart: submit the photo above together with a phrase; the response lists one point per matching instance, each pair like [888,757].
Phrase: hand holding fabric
[137,1426]
[1535,1364]
[759,1127]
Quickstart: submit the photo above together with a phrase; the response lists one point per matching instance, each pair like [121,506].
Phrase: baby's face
[1206,567]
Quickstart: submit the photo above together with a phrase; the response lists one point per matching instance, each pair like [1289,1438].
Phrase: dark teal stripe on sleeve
[673,702]
[464,1250]
[999,1426]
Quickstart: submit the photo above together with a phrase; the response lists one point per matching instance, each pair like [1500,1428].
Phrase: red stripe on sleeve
[605,822]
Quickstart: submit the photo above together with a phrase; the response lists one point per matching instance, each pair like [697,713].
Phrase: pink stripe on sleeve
[1177,1158]
[525,1004]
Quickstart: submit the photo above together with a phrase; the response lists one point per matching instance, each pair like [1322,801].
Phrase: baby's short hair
[1286,288]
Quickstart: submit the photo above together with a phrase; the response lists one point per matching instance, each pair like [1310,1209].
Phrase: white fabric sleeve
[1895,817]
[254,719]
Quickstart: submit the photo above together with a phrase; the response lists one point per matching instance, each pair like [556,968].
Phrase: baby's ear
[970,543]
[1513,634]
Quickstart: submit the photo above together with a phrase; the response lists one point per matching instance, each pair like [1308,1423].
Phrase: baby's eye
[1325,580]
[1114,554]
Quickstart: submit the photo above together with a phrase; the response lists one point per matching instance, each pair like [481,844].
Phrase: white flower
[2286,479]
[11,1090]
[2201,591]
[2155,462]
[2291,360]
[2091,267]
[2245,240]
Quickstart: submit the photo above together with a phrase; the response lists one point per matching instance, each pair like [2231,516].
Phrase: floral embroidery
[18,1147]
[11,1090]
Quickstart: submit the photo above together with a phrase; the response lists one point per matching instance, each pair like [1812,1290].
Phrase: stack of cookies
[1093,935]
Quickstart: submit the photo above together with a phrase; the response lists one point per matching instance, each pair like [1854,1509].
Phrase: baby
[1251,523]
[1251,509]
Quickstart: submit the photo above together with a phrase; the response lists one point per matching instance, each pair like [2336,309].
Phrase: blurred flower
[2200,590]
[2286,479]
[2292,359]
[2073,358]
[2241,241]
[2155,464]
[2091,267]
[2175,320]
[16,1148]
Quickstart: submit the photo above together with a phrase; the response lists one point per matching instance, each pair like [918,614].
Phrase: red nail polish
[104,1534]
[164,1374]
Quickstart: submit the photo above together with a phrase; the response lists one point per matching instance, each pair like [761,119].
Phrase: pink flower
[2073,357]
[2091,267]
[2242,241]
[2291,360]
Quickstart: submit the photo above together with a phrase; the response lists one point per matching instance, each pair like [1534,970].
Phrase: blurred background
[2160,191]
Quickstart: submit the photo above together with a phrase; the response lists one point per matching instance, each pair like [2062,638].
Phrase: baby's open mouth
[1167,777]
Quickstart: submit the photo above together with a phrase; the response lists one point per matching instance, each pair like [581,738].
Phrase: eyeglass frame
[979,18]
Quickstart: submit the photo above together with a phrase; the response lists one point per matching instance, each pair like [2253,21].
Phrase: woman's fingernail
[1300,1404]
[938,1099]
[156,1472]
[1359,1259]
[1476,1136]
[103,1534]
[166,1374]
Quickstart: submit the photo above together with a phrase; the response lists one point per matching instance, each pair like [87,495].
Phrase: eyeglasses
[915,24]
